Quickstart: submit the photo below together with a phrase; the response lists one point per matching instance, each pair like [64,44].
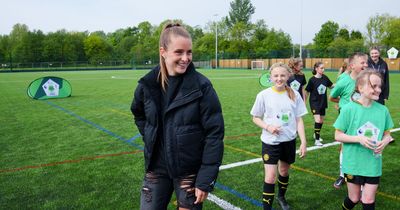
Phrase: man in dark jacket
[376,63]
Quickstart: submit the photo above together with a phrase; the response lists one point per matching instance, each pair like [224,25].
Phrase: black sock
[369,206]
[283,183]
[348,204]
[317,130]
[268,195]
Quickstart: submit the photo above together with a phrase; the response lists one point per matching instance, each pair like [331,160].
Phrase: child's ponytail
[290,93]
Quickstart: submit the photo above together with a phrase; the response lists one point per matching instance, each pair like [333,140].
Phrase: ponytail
[169,29]
[290,93]
[316,65]
[293,64]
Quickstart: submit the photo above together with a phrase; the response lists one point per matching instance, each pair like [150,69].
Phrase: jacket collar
[188,91]
[380,61]
[189,80]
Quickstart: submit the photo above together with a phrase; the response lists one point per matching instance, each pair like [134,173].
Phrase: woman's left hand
[200,195]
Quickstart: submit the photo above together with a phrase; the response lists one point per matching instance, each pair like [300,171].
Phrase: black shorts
[319,111]
[361,180]
[285,151]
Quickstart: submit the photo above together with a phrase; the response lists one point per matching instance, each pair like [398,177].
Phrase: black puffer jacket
[381,67]
[193,126]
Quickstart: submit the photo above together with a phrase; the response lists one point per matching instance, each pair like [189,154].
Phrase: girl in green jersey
[363,126]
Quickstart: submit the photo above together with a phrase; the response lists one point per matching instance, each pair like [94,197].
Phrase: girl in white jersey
[278,110]
[364,127]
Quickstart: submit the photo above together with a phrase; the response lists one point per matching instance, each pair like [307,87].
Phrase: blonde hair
[365,77]
[353,57]
[293,62]
[344,67]
[288,89]
[170,29]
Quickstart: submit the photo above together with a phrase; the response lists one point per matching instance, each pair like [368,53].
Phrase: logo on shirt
[356,96]
[284,117]
[321,89]
[368,130]
[295,85]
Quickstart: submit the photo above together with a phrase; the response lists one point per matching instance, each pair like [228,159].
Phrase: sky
[301,19]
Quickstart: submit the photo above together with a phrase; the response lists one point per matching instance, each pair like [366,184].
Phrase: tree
[392,39]
[33,46]
[28,46]
[5,49]
[324,37]
[17,35]
[260,30]
[241,11]
[338,48]
[74,46]
[239,40]
[53,46]
[97,49]
[344,34]
[342,48]
[278,44]
[123,48]
[63,46]
[195,32]
[377,28]
[116,37]
[356,35]
[204,47]
[270,42]
[147,42]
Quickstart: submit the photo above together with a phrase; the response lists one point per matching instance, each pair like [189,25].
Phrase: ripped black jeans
[157,191]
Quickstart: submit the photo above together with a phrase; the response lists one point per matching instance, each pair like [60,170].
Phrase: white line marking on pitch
[394,130]
[222,203]
[255,160]
[228,206]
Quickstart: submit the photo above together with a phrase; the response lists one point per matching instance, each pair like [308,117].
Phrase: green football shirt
[355,120]
[344,88]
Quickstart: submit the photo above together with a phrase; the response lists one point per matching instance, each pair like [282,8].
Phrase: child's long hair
[316,65]
[293,62]
[288,89]
[363,78]
[344,66]
[170,29]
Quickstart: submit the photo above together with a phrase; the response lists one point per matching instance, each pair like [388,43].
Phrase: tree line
[238,37]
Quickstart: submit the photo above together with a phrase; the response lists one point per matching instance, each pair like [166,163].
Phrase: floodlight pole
[216,42]
[301,30]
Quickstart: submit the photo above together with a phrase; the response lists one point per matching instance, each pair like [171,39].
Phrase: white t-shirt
[276,108]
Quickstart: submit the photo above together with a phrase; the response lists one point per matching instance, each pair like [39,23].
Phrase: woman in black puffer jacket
[178,113]
[376,63]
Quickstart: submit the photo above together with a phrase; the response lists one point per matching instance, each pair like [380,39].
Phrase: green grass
[71,153]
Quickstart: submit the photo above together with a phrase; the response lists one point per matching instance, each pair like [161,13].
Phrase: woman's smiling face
[178,55]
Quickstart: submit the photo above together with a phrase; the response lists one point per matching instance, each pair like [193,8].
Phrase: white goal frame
[257,65]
